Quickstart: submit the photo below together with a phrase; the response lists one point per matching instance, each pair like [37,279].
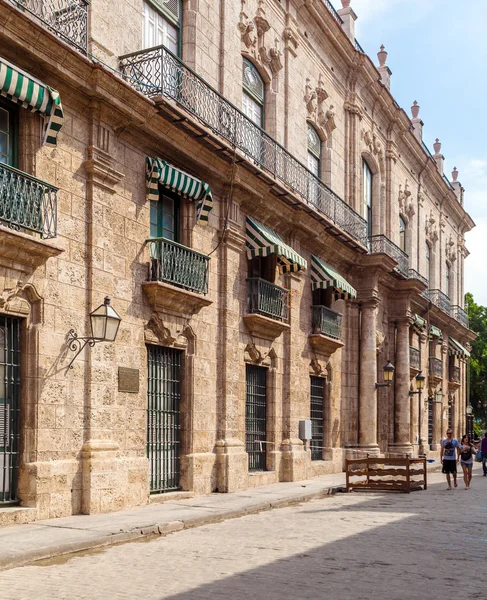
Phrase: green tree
[477,316]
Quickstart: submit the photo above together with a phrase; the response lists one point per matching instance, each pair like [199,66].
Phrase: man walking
[483,449]
[449,456]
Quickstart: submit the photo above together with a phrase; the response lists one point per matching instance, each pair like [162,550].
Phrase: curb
[158,529]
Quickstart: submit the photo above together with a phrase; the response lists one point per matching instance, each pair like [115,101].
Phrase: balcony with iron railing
[381,244]
[178,265]
[67,19]
[454,374]
[178,277]
[267,299]
[459,314]
[435,368]
[27,203]
[414,358]
[439,299]
[413,274]
[327,322]
[157,72]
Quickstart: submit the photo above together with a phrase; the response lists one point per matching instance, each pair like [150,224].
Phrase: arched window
[314,151]
[402,234]
[428,262]
[448,279]
[367,178]
[162,24]
[253,93]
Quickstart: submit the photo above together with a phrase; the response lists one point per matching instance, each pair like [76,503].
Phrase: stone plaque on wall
[128,380]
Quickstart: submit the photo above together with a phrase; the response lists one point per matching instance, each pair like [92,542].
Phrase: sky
[438,56]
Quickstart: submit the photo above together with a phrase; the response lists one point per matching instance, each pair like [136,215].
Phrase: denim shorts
[467,464]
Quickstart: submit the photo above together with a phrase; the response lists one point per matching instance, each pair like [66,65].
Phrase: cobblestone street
[383,546]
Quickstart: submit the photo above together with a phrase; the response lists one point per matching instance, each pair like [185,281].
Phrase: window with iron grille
[163,417]
[256,417]
[9,408]
[430,422]
[317,397]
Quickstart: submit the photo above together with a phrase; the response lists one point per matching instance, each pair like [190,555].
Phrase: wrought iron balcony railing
[381,244]
[460,314]
[454,374]
[157,72]
[359,47]
[435,367]
[327,322]
[27,203]
[178,265]
[439,299]
[414,358]
[68,19]
[267,299]
[413,274]
[333,11]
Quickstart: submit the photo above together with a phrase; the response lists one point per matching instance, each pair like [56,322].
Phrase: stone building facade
[267,222]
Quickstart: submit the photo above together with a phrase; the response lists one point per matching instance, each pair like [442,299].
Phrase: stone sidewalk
[22,544]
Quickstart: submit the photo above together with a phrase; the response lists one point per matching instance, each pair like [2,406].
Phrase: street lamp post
[420,379]
[469,411]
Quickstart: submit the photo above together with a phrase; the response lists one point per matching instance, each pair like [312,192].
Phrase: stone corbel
[18,300]
[100,167]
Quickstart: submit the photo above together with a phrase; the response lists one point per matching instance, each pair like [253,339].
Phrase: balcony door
[158,29]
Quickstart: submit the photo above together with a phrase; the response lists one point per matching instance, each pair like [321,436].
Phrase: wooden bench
[380,474]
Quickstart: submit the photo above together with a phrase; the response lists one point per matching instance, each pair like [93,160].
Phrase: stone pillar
[368,378]
[402,400]
[294,455]
[232,460]
[423,405]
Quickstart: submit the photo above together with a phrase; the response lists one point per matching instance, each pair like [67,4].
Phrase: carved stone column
[368,378]
[402,400]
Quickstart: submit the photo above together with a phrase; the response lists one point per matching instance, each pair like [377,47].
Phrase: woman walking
[467,451]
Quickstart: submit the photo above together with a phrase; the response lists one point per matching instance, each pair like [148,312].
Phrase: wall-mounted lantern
[105,322]
[388,375]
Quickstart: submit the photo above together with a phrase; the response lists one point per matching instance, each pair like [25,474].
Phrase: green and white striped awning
[323,276]
[457,349]
[435,331]
[262,241]
[419,323]
[23,89]
[161,172]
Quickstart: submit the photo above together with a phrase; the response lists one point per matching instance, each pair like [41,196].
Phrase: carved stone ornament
[406,207]
[431,229]
[291,42]
[253,355]
[379,341]
[315,368]
[318,113]
[18,300]
[450,250]
[179,335]
[372,142]
[253,36]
